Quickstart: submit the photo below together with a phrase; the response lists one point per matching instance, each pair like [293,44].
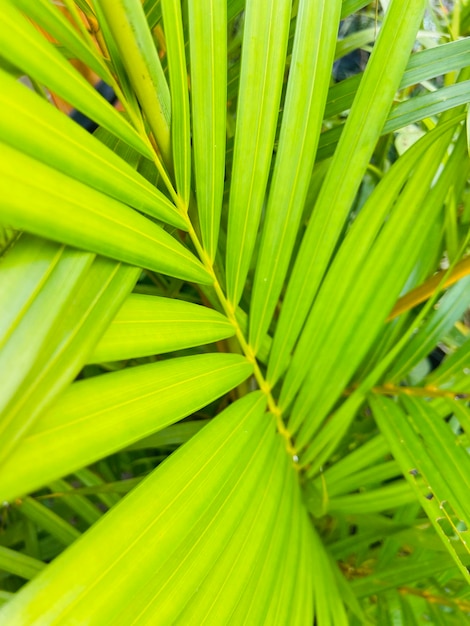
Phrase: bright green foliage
[210,410]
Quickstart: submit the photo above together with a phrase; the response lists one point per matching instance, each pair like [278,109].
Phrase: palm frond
[220,312]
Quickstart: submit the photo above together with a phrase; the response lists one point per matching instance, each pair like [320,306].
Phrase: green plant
[247,260]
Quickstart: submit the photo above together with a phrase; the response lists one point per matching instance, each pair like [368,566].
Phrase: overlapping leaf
[55,23]
[68,211]
[262,72]
[132,37]
[369,272]
[301,124]
[219,533]
[50,325]
[103,414]
[423,445]
[26,48]
[362,129]
[43,133]
[229,492]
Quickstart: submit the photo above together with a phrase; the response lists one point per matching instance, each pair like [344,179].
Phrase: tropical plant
[216,313]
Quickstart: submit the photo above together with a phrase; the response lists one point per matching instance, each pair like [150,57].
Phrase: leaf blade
[69,211]
[148,325]
[175,388]
[66,300]
[201,487]
[302,120]
[180,119]
[24,46]
[362,129]
[131,34]
[52,138]
[208,46]
[262,72]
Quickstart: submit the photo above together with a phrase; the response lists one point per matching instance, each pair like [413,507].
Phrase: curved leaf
[41,131]
[148,325]
[68,211]
[100,415]
[27,49]
[58,302]
[230,488]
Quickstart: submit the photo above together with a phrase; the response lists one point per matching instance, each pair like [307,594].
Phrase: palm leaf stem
[92,37]
[424,392]
[247,349]
[226,305]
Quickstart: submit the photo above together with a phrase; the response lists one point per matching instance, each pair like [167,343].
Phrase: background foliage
[235,349]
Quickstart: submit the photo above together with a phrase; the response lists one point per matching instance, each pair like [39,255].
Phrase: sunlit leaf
[301,124]
[262,73]
[50,137]
[24,46]
[180,125]
[148,325]
[69,211]
[100,415]
[208,39]
[362,129]
[50,18]
[128,26]
[42,352]
[228,490]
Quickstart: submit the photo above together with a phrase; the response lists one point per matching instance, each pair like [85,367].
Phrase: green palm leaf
[264,49]
[207,500]
[131,36]
[42,352]
[147,325]
[51,138]
[445,505]
[25,48]
[303,113]
[365,122]
[180,124]
[54,22]
[219,312]
[69,211]
[208,37]
[93,419]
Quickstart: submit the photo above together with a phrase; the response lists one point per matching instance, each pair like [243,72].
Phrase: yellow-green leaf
[103,414]
[27,49]
[36,128]
[184,541]
[68,211]
[208,45]
[148,325]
